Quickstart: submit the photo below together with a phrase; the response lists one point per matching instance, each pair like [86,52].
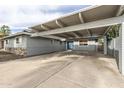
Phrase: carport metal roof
[92,21]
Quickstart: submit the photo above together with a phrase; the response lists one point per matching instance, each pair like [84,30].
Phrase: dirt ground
[5,56]
[77,69]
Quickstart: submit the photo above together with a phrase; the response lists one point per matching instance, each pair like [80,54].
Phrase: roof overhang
[17,34]
[90,21]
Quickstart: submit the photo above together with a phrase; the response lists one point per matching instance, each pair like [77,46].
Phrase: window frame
[7,41]
[17,40]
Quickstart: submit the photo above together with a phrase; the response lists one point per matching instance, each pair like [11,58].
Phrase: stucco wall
[40,45]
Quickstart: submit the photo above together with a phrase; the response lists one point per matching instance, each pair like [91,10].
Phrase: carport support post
[121,49]
[105,45]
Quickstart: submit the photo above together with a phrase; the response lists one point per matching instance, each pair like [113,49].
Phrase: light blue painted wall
[12,42]
[39,45]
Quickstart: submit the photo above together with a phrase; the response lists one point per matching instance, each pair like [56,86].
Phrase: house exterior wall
[13,47]
[39,45]
[29,46]
[22,41]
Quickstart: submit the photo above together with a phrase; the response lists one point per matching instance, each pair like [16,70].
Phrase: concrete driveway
[63,69]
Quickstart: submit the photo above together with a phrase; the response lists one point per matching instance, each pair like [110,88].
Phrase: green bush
[113,32]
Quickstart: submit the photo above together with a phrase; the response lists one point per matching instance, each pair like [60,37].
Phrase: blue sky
[22,16]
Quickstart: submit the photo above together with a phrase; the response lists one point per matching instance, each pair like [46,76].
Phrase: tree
[101,41]
[113,32]
[4,30]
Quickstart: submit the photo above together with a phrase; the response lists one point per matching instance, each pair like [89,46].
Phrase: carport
[90,22]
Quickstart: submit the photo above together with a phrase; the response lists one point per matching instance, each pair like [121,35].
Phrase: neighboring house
[23,44]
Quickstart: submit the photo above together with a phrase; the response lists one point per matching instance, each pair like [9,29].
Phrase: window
[7,41]
[17,40]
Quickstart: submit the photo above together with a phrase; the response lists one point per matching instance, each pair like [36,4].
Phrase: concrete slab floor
[73,69]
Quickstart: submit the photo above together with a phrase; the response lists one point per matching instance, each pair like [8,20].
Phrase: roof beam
[82,21]
[68,34]
[60,35]
[63,35]
[89,25]
[44,27]
[81,18]
[107,30]
[50,36]
[55,37]
[120,10]
[90,32]
[76,35]
[86,37]
[59,24]
[79,34]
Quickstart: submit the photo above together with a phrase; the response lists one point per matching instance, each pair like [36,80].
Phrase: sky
[20,17]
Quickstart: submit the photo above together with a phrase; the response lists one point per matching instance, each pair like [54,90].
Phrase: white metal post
[105,45]
[121,49]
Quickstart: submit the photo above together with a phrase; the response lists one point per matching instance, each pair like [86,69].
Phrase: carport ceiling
[83,33]
[86,15]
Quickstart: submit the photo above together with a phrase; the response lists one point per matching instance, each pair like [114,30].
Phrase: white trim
[89,25]
[50,36]
[17,34]
[121,49]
